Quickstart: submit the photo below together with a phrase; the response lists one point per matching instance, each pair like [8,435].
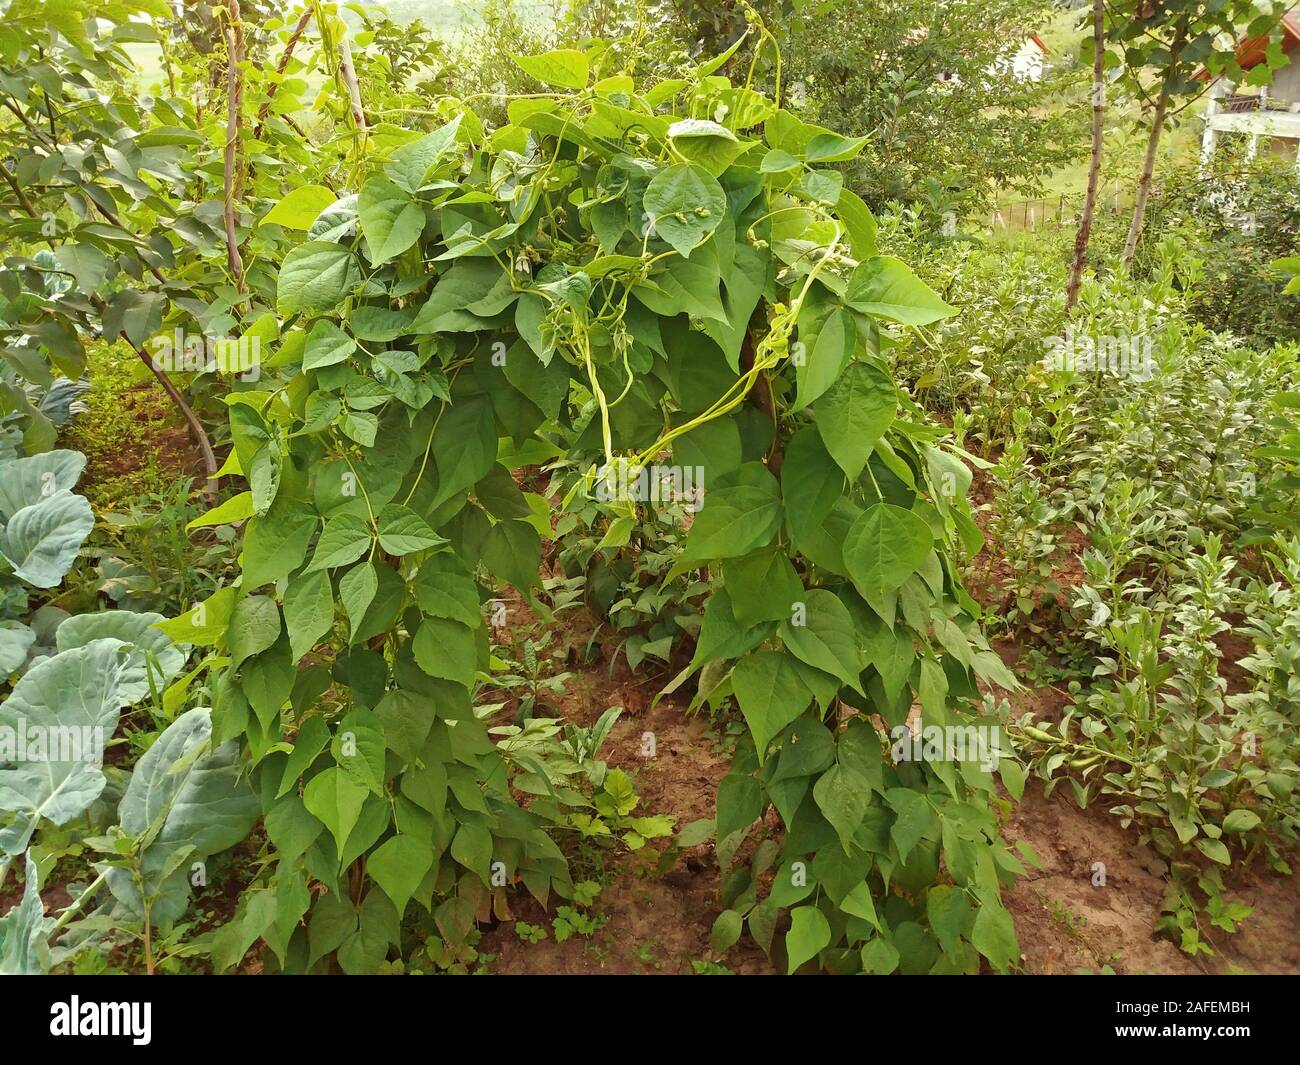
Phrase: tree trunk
[1176,47]
[1148,168]
[234,99]
[1094,167]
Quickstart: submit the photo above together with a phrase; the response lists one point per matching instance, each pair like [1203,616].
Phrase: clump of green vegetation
[530,933]
[1138,520]
[488,319]
[134,442]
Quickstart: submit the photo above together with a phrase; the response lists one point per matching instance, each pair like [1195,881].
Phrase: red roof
[1251,51]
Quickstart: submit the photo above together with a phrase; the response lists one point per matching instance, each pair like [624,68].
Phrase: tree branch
[200,434]
[234,94]
[280,68]
[187,412]
[210,465]
[1094,166]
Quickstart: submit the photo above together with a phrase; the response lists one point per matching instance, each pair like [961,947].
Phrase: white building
[1024,64]
[1027,63]
[1269,116]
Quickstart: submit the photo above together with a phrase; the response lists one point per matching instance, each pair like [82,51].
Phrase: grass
[134,442]
[147,61]
[452,16]
[1125,132]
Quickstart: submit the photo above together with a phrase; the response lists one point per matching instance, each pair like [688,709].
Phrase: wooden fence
[1059,210]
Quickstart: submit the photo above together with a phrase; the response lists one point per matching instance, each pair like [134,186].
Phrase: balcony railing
[1240,104]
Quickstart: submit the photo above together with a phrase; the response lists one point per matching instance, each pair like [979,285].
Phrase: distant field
[148,62]
[447,18]
[451,15]
[1126,133]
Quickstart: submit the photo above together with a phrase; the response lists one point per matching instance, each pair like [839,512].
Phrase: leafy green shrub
[642,38]
[1237,219]
[1163,466]
[1275,511]
[43,524]
[185,801]
[627,274]
[916,76]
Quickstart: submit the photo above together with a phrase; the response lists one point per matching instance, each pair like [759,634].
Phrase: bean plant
[663,275]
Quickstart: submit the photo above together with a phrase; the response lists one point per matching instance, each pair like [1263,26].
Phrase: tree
[1098,99]
[928,81]
[1164,46]
[72,190]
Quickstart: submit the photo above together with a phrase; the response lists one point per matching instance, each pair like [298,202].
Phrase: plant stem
[74,908]
[1094,166]
[280,68]
[234,95]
